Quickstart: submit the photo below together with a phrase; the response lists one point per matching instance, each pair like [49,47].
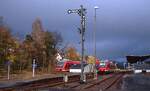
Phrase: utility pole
[94,38]
[8,70]
[81,12]
[1,21]
[33,68]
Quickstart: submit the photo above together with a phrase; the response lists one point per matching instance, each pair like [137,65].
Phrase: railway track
[104,84]
[78,85]
[97,85]
[73,83]
[43,83]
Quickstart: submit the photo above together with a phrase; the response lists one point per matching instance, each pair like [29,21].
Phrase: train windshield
[102,64]
[60,64]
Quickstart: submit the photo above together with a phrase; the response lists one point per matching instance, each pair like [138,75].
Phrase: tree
[8,45]
[7,42]
[52,42]
[40,45]
[38,36]
[57,39]
[38,33]
[50,50]
[72,54]
[27,51]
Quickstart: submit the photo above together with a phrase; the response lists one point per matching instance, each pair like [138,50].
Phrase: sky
[122,27]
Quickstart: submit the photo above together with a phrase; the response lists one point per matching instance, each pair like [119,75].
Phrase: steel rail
[114,82]
[99,82]
[42,83]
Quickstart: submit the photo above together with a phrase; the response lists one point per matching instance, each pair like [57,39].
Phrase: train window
[60,64]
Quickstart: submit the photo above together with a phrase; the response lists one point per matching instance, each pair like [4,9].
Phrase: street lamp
[81,12]
[94,37]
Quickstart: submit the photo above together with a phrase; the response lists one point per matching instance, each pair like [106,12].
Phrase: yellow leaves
[72,54]
[11,58]
[91,60]
[8,44]
[16,44]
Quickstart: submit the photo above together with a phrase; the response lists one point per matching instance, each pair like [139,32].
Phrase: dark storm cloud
[123,26]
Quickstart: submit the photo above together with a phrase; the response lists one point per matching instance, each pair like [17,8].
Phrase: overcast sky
[123,26]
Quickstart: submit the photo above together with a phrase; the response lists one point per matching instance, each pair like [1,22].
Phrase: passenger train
[64,66]
[106,67]
[102,66]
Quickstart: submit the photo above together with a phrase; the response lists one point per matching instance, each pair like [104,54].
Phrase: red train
[64,66]
[102,66]
[106,67]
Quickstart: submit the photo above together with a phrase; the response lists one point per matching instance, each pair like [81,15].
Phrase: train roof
[134,59]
